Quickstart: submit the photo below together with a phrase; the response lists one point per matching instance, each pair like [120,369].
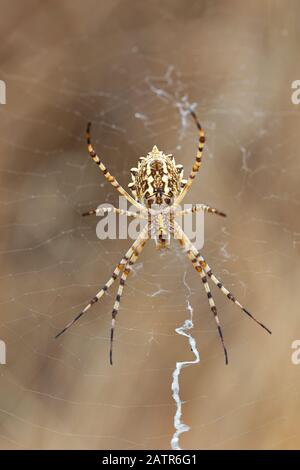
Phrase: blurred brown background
[125,65]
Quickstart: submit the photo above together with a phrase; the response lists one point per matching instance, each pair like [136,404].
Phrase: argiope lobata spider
[158,181]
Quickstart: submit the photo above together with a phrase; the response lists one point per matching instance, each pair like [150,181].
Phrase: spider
[158,188]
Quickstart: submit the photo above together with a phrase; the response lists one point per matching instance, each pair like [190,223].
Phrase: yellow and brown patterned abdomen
[157,179]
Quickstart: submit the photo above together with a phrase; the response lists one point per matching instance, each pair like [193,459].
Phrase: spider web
[131,68]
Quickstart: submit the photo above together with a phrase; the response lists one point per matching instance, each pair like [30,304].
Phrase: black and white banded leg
[137,251]
[200,207]
[215,280]
[143,235]
[228,294]
[110,178]
[197,164]
[211,302]
[101,211]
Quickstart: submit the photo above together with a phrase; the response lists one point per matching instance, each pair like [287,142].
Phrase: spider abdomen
[157,179]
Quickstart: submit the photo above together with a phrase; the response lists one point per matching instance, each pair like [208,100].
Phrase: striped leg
[228,294]
[101,211]
[216,281]
[208,293]
[130,262]
[214,311]
[111,280]
[200,207]
[111,179]
[197,164]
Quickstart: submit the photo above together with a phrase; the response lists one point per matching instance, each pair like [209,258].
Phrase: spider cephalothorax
[158,189]
[157,179]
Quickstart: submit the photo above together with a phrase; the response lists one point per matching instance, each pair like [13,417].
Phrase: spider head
[157,179]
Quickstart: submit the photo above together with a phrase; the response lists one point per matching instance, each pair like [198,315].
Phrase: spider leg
[228,294]
[208,293]
[197,164]
[137,251]
[111,179]
[214,311]
[110,281]
[216,281]
[106,210]
[200,207]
